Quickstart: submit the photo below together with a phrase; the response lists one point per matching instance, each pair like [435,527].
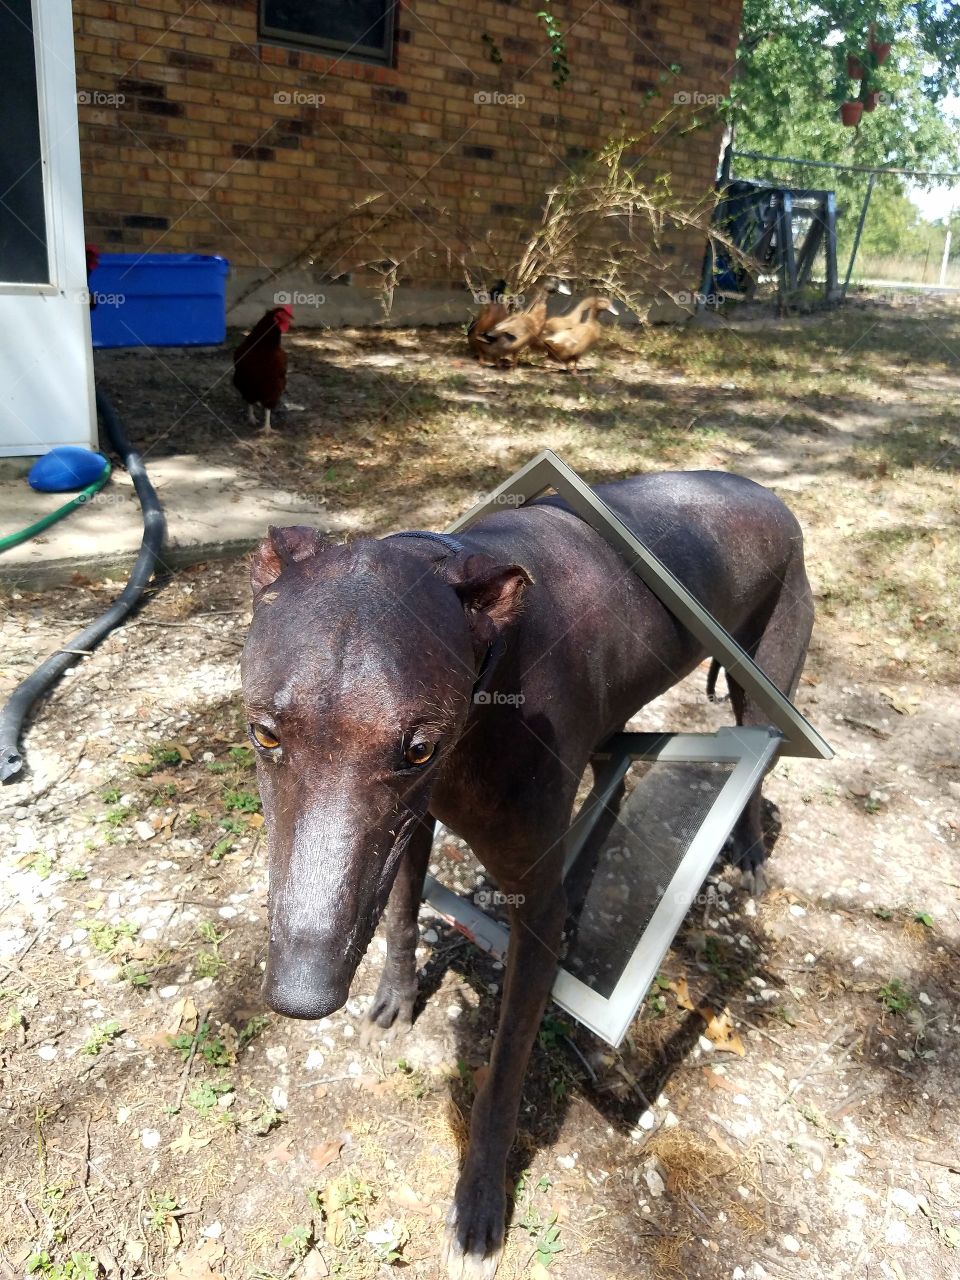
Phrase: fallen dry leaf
[405,1196]
[187,1142]
[720,1030]
[183,1016]
[279,1153]
[314,1267]
[682,992]
[198,1263]
[716,1081]
[326,1153]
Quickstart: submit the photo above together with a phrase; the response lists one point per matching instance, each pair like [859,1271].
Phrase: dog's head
[358,672]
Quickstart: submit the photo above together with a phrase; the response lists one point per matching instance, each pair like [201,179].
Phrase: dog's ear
[488,588]
[280,548]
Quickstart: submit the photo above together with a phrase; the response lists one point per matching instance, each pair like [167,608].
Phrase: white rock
[567,1162]
[278,1096]
[144,832]
[431,936]
[150,1139]
[791,1244]
[924,999]
[453,1012]
[167,993]
[705,1044]
[897,1233]
[47,1052]
[212,1231]
[226,1101]
[315,1060]
[655,1183]
[647,1120]
[797,910]
[904,1200]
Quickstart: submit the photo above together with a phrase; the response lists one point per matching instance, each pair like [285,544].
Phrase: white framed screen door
[46,360]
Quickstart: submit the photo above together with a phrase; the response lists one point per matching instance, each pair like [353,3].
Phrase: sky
[940,200]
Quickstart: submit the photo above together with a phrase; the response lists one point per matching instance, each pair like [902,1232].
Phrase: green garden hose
[31,531]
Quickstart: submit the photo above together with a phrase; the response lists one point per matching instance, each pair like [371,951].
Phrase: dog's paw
[389,1015]
[473,1241]
[753,880]
[748,857]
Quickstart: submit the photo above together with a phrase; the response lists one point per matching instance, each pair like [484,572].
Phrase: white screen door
[46,363]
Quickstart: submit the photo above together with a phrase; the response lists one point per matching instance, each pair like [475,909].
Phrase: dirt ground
[158,1122]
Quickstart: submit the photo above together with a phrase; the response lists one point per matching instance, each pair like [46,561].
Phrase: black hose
[154,528]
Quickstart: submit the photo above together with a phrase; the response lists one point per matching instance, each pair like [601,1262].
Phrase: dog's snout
[294,1000]
[306,979]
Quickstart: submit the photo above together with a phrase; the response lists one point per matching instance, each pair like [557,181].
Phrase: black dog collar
[452,545]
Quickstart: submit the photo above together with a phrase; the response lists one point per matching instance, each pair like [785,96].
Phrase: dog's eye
[419,752]
[263,737]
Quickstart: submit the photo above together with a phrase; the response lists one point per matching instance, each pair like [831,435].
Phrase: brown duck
[508,337]
[491,313]
[566,338]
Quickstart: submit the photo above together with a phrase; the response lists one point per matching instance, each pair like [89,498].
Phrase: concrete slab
[212,510]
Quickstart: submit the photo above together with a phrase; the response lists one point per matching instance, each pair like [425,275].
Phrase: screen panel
[666,806]
[679,811]
[24,257]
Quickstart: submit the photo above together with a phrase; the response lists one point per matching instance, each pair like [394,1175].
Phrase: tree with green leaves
[791,78]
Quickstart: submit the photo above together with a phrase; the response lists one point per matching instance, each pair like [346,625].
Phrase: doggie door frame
[750,751]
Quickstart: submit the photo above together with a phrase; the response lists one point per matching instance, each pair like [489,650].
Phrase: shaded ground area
[155,1118]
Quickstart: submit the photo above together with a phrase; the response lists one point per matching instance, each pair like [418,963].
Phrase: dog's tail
[712,674]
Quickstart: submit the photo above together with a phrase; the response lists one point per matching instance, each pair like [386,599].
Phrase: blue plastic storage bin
[159,300]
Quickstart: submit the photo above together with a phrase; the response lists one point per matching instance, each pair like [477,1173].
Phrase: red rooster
[93,261]
[260,363]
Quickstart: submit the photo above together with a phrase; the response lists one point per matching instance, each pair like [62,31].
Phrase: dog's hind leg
[391,1009]
[780,653]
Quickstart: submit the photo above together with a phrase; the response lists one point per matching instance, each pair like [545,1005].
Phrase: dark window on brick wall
[361,29]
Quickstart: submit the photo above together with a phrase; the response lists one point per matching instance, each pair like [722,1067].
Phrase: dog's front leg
[391,1009]
[475,1224]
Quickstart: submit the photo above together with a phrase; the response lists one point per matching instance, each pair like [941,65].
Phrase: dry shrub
[602,226]
[666,1253]
[606,227]
[692,1164]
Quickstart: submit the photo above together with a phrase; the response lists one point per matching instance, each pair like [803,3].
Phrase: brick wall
[195,136]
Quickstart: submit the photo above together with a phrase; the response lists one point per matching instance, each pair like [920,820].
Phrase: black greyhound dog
[395,682]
